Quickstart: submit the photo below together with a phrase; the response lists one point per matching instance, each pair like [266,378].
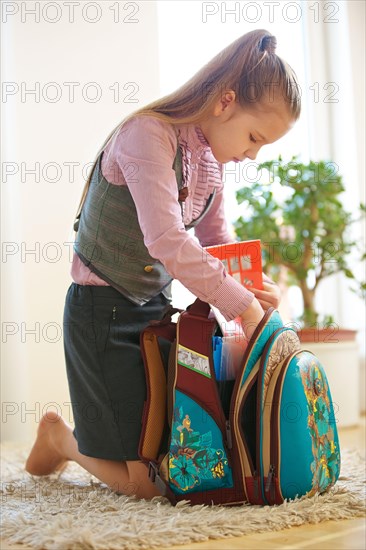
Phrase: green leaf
[299,205]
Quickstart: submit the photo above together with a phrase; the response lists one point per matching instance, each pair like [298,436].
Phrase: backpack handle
[166,320]
[199,309]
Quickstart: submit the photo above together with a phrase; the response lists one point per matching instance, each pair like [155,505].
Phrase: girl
[158,173]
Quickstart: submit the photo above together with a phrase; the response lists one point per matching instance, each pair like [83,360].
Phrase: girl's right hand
[251,317]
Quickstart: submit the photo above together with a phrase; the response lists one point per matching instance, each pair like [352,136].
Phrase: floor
[332,535]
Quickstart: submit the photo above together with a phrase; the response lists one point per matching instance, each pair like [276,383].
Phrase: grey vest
[111,244]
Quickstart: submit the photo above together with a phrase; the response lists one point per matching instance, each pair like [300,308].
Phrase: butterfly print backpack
[265,437]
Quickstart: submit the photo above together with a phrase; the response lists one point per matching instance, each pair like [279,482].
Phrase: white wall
[36,213]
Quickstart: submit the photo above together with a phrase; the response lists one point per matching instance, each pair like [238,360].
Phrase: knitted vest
[111,244]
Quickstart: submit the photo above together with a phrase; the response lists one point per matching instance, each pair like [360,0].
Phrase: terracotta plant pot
[330,335]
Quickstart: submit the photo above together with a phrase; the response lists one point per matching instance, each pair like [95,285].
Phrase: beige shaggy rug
[75,511]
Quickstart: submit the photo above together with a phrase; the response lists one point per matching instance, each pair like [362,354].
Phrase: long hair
[249,66]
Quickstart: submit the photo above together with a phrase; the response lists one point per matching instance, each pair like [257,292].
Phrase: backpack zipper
[269,485]
[260,408]
[229,439]
[273,487]
[263,359]
[234,399]
[241,437]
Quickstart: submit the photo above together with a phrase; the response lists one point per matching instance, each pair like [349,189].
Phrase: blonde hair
[249,66]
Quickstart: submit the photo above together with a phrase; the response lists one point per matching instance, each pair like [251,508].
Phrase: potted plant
[304,229]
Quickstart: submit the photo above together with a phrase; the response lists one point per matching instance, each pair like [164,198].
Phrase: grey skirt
[105,370]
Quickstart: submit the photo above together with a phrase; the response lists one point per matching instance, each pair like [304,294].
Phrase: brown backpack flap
[155,409]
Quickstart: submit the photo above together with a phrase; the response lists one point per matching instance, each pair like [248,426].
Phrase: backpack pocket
[304,455]
[198,459]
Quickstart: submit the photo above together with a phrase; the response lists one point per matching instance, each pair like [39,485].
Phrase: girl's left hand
[270,296]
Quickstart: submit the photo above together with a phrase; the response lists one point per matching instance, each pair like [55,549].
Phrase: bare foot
[45,458]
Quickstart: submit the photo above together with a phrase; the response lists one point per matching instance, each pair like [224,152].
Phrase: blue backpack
[267,436]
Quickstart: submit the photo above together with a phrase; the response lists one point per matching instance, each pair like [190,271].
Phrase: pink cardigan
[140,156]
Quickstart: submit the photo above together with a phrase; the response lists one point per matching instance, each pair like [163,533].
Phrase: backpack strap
[154,414]
[199,309]
[154,419]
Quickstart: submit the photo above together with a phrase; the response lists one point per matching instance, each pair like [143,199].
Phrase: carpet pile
[75,511]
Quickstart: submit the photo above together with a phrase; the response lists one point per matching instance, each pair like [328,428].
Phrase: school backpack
[267,436]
